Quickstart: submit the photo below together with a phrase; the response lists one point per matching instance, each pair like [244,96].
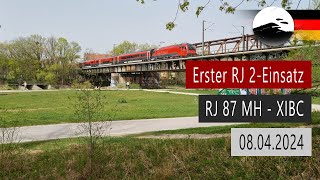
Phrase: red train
[174,51]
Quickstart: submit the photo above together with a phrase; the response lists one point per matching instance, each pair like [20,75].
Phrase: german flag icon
[306,24]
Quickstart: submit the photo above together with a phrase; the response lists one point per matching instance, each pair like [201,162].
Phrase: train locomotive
[168,52]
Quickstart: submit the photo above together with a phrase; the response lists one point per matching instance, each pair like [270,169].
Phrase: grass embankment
[130,158]
[34,108]
[316,100]
[315,93]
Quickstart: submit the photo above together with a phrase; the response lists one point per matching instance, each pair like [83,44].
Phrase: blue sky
[98,24]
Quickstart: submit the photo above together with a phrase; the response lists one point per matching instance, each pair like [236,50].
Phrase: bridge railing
[233,44]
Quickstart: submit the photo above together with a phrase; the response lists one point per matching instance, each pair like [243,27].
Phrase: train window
[191,47]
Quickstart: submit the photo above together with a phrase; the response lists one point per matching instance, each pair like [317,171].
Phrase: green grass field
[34,108]
[49,107]
[131,158]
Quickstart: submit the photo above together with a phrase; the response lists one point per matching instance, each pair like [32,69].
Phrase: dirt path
[118,128]
[172,92]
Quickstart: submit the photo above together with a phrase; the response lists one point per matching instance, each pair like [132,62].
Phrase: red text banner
[248,74]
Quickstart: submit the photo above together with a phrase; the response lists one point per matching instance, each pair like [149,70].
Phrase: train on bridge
[174,51]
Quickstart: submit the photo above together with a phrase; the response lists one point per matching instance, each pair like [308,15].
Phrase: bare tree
[9,136]
[89,107]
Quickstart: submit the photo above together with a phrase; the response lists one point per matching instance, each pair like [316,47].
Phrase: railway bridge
[147,73]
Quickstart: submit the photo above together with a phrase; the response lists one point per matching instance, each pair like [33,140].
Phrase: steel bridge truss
[231,45]
[180,63]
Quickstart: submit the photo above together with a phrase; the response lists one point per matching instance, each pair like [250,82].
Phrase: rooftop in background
[92,56]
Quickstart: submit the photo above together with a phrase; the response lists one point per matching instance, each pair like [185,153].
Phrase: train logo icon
[273,26]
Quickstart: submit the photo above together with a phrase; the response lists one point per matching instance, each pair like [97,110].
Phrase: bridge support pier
[144,79]
[117,79]
[98,80]
[150,80]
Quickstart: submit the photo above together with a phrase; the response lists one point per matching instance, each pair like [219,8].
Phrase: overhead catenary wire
[298,4]
[209,25]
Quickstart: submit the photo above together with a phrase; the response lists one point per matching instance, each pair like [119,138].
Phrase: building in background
[92,56]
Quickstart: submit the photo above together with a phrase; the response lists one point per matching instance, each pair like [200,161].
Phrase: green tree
[60,55]
[67,53]
[39,59]
[311,53]
[124,48]
[129,47]
[146,46]
[4,63]
[28,53]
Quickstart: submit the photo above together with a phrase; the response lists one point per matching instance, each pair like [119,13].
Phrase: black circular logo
[273,26]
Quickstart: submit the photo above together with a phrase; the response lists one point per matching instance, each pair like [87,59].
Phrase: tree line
[129,47]
[37,59]
[52,60]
